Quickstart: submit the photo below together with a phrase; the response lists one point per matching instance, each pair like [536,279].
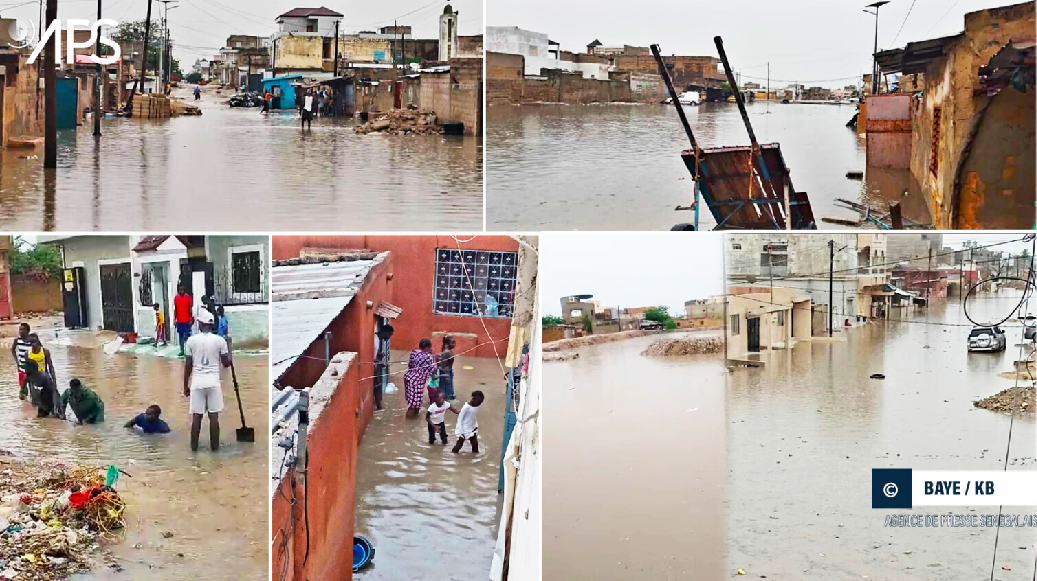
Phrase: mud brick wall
[540,91]
[466,93]
[22,103]
[576,89]
[34,294]
[435,94]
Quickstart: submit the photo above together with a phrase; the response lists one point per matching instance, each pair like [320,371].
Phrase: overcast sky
[956,241]
[630,269]
[200,27]
[805,40]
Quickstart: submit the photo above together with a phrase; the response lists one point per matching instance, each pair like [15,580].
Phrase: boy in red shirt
[183,314]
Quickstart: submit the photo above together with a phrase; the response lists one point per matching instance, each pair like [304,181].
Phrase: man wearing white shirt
[205,352]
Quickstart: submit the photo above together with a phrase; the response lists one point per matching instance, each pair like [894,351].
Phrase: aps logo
[23,33]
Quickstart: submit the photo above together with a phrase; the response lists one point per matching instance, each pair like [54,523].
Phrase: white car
[987,339]
[687,98]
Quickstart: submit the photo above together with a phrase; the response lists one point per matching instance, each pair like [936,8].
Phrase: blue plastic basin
[363,553]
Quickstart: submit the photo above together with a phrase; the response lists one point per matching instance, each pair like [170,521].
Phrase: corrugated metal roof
[306,298]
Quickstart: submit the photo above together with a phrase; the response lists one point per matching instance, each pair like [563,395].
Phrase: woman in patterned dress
[419,369]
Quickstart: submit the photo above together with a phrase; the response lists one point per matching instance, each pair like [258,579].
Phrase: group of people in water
[37,382]
[433,374]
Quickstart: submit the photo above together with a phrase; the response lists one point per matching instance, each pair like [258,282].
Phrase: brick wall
[686,70]
[435,94]
[504,66]
[33,294]
[466,93]
[362,50]
[22,102]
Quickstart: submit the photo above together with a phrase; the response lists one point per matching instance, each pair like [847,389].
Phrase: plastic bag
[391,388]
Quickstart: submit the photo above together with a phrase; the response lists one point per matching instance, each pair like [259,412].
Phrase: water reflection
[618,167]
[235,169]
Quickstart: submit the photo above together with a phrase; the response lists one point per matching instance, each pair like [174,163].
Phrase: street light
[875,60]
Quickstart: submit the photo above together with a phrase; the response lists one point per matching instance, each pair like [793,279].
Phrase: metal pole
[770,270]
[50,107]
[831,282]
[673,95]
[336,48]
[162,49]
[144,57]
[874,59]
[929,275]
[327,347]
[98,108]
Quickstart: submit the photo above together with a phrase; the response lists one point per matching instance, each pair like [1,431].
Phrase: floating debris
[1003,401]
[561,356]
[51,516]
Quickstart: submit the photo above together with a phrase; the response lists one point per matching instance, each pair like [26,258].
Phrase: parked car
[687,98]
[646,325]
[987,339]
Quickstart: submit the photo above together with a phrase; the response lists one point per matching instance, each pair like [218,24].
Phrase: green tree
[28,258]
[551,321]
[133,31]
[588,324]
[194,78]
[661,315]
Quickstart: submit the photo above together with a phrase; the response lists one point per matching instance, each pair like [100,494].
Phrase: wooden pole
[143,60]
[98,107]
[50,107]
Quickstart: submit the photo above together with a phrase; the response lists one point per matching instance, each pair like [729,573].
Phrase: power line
[894,43]
[942,17]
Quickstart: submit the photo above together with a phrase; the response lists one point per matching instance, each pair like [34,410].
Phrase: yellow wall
[300,52]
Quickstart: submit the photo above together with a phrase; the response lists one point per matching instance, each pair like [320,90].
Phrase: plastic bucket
[363,553]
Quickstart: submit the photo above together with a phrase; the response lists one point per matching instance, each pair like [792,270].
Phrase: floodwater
[635,465]
[236,169]
[210,502]
[805,431]
[618,167]
[429,513]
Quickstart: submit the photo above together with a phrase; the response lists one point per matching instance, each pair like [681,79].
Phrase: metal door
[753,328]
[67,98]
[117,298]
[206,296]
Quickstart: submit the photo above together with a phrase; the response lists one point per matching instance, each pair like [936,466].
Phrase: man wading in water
[20,350]
[204,353]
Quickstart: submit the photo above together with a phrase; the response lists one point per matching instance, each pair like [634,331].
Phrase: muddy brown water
[618,167]
[804,432]
[212,503]
[634,465]
[429,513]
[236,169]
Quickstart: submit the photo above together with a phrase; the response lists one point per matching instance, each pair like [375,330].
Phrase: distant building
[448,34]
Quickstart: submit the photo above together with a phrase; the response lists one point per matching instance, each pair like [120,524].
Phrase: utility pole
[875,60]
[929,276]
[768,81]
[98,107]
[831,282]
[50,108]
[336,50]
[770,269]
[144,57]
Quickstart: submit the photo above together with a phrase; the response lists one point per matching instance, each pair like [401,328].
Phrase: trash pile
[1003,401]
[182,108]
[561,356]
[402,122]
[684,346]
[51,515]
[563,344]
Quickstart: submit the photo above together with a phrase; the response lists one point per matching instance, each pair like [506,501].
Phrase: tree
[588,324]
[661,315]
[551,321]
[132,31]
[42,259]
[194,78]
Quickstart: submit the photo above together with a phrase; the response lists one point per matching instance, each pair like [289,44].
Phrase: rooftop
[310,13]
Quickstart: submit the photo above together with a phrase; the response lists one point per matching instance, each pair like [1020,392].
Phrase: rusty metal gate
[116,297]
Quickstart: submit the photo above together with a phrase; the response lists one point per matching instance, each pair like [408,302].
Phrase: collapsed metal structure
[744,187]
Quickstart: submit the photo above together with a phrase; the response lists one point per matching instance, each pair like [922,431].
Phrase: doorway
[116,297]
[753,329]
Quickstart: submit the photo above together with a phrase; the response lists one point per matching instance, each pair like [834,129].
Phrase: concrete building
[106,275]
[762,319]
[21,99]
[973,119]
[448,34]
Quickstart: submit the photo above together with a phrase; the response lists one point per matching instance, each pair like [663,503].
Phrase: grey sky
[630,269]
[958,240]
[804,40]
[201,27]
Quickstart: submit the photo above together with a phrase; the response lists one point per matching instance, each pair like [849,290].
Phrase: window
[575,313]
[475,282]
[735,246]
[246,268]
[734,324]
[781,318]
[241,280]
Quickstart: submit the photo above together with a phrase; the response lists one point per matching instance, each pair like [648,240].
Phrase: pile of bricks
[151,106]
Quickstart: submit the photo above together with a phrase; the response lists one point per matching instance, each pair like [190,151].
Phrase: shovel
[244,433]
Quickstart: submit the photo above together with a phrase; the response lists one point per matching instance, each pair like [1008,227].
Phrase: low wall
[557,87]
[249,325]
[32,294]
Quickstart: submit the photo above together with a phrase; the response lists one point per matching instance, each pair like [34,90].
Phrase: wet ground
[429,513]
[210,502]
[634,465]
[236,169]
[618,167]
[805,431]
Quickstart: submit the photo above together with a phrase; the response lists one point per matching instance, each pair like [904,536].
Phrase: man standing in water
[205,352]
[183,315]
[20,351]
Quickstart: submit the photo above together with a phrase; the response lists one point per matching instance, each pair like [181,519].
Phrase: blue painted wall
[287,90]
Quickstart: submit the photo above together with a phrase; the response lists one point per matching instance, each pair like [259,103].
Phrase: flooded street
[635,465]
[804,432]
[618,167]
[246,170]
[429,513]
[206,501]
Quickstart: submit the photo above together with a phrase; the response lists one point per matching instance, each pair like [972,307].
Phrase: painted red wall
[414,267]
[331,492]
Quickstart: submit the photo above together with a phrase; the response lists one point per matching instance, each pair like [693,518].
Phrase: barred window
[246,268]
[475,282]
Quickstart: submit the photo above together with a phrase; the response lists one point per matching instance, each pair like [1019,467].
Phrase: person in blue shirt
[149,422]
[222,324]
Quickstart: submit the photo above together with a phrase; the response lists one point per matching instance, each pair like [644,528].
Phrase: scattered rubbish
[877,376]
[53,514]
[363,553]
[883,219]
[563,344]
[391,388]
[113,346]
[684,346]
[182,108]
[855,175]
[468,368]
[692,410]
[563,356]
[1006,567]
[1022,397]
[402,121]
[741,571]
